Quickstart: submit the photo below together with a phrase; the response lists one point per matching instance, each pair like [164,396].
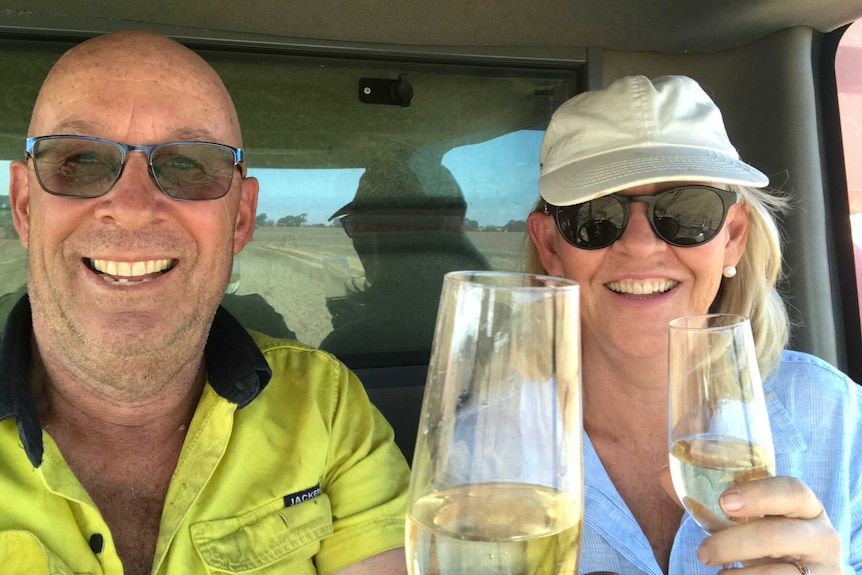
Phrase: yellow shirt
[298,476]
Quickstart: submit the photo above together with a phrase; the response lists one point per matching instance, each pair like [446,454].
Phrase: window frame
[844,287]
[583,64]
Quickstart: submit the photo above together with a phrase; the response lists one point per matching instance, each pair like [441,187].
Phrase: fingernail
[703,555]
[732,501]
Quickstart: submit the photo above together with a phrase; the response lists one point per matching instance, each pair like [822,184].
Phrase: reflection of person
[407,238]
[254,312]
[8,301]
[144,430]
[647,205]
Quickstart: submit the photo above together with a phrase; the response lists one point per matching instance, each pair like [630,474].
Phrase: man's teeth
[646,287]
[130,269]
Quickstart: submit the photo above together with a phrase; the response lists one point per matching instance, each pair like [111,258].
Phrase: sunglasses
[400,222]
[685,217]
[85,167]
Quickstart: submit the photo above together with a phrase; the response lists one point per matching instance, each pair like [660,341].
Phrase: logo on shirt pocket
[273,535]
[301,496]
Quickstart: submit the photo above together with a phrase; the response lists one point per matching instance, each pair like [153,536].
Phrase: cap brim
[604,174]
[344,210]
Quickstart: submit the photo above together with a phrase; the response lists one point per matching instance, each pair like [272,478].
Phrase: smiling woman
[648,191]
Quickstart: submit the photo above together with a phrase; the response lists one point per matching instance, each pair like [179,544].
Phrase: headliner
[671,26]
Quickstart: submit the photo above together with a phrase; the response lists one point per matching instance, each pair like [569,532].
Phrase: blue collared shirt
[816,416]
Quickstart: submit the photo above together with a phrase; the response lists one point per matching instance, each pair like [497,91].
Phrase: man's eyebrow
[191,135]
[78,127]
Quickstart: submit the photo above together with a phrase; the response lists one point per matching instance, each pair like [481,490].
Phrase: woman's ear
[737,233]
[543,233]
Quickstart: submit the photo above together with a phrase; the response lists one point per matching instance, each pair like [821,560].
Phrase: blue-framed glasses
[686,216]
[85,167]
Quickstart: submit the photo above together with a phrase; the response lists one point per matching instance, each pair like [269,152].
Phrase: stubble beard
[125,368]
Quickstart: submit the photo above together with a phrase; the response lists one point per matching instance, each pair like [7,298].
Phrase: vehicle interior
[397,141]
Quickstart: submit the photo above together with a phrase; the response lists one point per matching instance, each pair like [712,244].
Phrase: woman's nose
[639,235]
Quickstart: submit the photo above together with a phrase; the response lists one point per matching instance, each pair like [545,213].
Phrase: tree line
[301,220]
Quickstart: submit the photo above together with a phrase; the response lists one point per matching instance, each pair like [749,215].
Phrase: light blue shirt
[816,416]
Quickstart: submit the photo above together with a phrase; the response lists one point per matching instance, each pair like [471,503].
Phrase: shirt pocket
[21,553]
[269,537]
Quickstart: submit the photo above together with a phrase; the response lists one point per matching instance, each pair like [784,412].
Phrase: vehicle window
[848,74]
[363,205]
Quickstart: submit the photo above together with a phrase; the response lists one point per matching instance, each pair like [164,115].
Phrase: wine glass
[497,477]
[719,432]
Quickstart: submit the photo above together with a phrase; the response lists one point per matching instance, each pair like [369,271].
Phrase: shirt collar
[236,370]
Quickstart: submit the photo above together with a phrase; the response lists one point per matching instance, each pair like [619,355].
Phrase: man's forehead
[83,96]
[91,127]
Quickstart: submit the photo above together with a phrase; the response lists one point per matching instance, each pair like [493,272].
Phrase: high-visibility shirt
[296,474]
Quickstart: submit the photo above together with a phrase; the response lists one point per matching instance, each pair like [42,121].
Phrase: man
[172,441]
[407,236]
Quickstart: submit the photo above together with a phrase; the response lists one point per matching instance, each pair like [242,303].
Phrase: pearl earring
[729,271]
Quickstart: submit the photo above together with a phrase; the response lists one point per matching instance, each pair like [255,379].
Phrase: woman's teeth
[641,287]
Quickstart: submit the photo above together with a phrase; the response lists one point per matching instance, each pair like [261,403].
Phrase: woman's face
[631,289]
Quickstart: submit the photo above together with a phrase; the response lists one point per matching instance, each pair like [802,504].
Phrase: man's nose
[135,200]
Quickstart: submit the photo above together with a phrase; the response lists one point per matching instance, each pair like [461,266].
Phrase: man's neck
[65,400]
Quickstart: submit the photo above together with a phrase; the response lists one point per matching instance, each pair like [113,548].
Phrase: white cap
[636,132]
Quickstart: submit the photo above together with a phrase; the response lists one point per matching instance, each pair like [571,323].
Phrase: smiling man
[142,430]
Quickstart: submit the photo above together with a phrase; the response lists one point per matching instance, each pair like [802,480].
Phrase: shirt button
[97,542]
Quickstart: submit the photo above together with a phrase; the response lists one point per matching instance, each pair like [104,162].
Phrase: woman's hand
[781,521]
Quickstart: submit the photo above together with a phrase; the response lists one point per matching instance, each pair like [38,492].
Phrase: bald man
[142,430]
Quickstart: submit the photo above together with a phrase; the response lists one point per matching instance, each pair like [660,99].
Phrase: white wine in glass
[719,431]
[497,477]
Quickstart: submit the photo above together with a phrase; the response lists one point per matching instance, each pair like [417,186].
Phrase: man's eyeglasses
[687,216]
[85,167]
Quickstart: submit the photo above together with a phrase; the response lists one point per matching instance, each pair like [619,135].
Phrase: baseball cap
[638,131]
[396,190]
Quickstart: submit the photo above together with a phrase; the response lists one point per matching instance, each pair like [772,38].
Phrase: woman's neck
[624,396]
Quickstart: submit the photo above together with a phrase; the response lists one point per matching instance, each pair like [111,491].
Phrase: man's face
[132,273]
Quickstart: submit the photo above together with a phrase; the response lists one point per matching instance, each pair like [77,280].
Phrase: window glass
[848,73]
[13,258]
[363,206]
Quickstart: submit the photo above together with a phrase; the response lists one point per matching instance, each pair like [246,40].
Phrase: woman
[646,204]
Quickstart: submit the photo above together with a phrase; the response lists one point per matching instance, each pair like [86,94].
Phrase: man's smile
[129,273]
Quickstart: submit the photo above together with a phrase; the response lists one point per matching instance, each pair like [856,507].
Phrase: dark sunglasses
[85,167]
[686,216]
[400,222]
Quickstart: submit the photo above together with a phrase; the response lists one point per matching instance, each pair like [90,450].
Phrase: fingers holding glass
[792,528]
[719,433]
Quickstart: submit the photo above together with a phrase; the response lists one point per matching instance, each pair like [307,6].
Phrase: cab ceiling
[671,26]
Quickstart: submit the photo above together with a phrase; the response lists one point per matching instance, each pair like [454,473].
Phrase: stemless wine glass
[719,430]
[497,478]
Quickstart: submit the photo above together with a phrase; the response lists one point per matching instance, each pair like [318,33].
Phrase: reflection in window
[362,207]
[355,257]
[13,257]
[848,73]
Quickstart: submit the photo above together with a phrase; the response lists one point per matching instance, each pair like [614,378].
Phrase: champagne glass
[497,477]
[719,430]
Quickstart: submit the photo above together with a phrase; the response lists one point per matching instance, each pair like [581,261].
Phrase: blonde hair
[754,291]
